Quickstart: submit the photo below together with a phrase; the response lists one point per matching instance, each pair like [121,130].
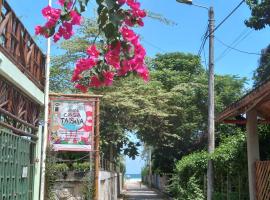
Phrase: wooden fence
[263,180]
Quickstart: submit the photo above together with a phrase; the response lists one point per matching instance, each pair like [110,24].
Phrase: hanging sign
[71,124]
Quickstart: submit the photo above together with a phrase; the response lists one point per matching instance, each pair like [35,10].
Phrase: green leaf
[83,5]
[103,17]
[110,31]
[110,4]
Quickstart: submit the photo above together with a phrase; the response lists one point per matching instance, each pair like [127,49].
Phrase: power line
[243,35]
[204,38]
[241,51]
[225,19]
[153,45]
[205,61]
[202,46]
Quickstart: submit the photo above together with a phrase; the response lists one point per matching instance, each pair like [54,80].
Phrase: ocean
[135,177]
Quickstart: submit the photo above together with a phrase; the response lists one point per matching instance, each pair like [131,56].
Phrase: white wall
[110,185]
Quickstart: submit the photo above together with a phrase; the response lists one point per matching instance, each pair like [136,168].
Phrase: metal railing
[19,47]
[16,166]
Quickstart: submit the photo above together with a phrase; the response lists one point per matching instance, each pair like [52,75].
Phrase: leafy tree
[262,72]
[186,81]
[264,139]
[169,113]
[260,17]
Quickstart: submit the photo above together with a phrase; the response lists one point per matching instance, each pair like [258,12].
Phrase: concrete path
[136,191]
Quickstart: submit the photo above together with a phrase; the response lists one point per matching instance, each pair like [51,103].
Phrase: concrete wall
[157,181]
[9,71]
[71,188]
[110,185]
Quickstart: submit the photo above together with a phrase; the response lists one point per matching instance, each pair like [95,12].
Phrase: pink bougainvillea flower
[51,23]
[143,72]
[39,30]
[85,64]
[126,67]
[52,15]
[108,77]
[112,59]
[139,50]
[138,13]
[112,56]
[81,87]
[92,51]
[57,37]
[66,30]
[121,2]
[76,76]
[120,58]
[76,18]
[46,12]
[129,22]
[95,82]
[62,2]
[133,4]
[140,22]
[128,34]
[68,3]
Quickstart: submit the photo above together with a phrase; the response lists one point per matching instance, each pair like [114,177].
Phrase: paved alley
[136,191]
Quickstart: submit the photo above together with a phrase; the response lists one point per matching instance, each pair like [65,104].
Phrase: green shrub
[229,162]
[81,167]
[145,171]
[60,167]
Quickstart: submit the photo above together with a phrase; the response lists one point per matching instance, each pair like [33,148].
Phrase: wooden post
[253,151]
[96,196]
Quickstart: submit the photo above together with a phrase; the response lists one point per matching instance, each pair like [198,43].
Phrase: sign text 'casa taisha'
[72,124]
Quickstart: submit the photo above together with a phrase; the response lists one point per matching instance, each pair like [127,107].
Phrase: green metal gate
[16,167]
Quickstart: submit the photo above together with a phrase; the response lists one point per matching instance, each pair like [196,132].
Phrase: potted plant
[61,169]
[80,169]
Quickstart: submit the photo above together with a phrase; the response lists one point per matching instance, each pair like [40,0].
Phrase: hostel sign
[71,124]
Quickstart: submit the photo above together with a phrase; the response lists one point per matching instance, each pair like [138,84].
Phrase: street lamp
[185,1]
[189,2]
[211,106]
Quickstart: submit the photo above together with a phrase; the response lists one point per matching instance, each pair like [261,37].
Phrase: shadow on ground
[136,191]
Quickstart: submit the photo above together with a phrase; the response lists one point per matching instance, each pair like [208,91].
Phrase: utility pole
[211,107]
[211,95]
[150,165]
[46,118]
[97,152]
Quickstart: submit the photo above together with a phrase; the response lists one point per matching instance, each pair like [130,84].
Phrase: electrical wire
[239,50]
[222,22]
[236,41]
[153,45]
[227,17]
[243,35]
[205,61]
[75,160]
[204,38]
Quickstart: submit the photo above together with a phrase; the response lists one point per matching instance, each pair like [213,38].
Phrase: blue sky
[185,36]
[134,166]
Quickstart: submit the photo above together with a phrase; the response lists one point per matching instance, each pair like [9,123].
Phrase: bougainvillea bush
[121,53]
